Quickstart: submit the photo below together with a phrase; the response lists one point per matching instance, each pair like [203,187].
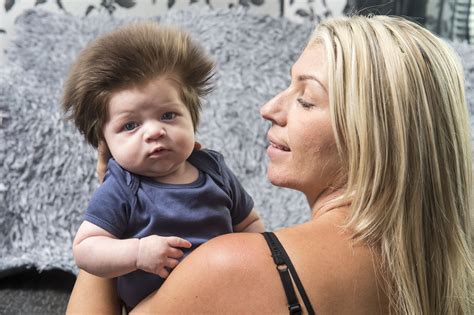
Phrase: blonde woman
[373,129]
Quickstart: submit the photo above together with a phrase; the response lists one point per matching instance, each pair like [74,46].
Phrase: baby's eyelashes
[129,126]
[168,116]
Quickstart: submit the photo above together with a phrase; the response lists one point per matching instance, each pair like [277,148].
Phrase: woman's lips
[279,146]
[274,150]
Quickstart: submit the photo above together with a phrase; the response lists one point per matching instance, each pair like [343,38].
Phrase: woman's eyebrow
[304,77]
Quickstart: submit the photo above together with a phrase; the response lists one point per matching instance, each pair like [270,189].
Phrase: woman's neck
[328,200]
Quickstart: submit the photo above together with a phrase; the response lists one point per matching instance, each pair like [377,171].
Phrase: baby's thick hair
[132,56]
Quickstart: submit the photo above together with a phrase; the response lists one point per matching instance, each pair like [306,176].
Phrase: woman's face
[302,151]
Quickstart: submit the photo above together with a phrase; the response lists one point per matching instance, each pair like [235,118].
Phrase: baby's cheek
[129,161]
[184,140]
[124,155]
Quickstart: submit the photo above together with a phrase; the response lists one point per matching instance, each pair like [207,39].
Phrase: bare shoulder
[233,273]
[231,255]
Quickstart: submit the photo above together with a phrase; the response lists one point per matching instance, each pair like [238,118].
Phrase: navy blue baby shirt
[131,206]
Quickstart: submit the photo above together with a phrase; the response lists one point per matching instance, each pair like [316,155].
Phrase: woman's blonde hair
[400,119]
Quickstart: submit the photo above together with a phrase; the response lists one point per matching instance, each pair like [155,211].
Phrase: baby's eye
[168,116]
[130,126]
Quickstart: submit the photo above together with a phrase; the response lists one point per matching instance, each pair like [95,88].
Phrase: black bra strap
[293,303]
[283,264]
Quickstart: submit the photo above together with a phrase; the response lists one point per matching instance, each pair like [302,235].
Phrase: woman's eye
[305,104]
[130,126]
[168,116]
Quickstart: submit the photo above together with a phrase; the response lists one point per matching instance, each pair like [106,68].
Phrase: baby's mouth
[157,151]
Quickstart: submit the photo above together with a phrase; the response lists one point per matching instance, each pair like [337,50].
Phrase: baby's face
[150,131]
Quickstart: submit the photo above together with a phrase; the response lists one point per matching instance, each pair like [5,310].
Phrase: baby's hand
[156,253]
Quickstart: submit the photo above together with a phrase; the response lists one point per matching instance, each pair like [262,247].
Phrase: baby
[138,90]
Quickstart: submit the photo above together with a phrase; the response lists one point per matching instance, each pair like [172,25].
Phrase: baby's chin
[137,170]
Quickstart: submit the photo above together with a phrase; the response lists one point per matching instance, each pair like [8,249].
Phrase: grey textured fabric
[47,170]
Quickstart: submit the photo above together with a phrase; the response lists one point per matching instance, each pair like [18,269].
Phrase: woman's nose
[275,110]
[154,131]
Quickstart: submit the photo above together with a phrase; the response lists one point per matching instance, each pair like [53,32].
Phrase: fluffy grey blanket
[47,170]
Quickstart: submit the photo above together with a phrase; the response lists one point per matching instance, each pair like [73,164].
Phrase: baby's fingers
[174,241]
[163,273]
[174,252]
[171,263]
[197,146]
[168,265]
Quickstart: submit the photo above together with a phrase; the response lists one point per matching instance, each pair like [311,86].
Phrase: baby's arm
[102,254]
[252,223]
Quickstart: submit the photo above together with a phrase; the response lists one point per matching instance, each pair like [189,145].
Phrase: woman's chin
[278,179]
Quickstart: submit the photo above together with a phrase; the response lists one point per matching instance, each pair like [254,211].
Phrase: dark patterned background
[449,18]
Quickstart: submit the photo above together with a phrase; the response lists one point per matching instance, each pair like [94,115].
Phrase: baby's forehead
[155,95]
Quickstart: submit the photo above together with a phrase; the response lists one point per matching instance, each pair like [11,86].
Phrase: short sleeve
[109,206]
[242,202]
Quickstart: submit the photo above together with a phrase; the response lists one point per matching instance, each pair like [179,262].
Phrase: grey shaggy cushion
[47,170]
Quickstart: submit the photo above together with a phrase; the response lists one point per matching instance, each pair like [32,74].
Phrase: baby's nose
[154,131]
